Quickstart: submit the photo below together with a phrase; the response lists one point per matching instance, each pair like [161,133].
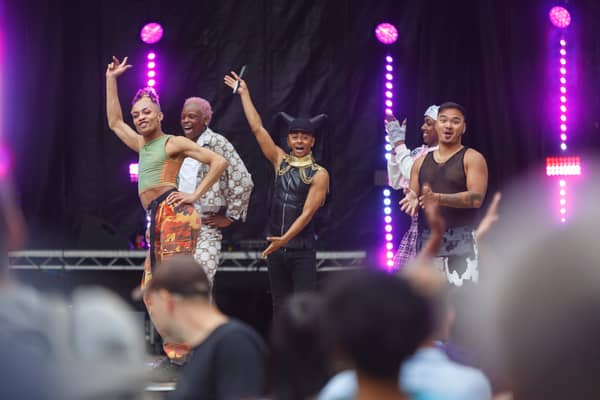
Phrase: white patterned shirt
[233,189]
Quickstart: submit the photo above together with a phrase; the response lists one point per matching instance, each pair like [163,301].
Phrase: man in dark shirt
[227,356]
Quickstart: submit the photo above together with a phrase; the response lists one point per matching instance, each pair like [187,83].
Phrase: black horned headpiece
[308,125]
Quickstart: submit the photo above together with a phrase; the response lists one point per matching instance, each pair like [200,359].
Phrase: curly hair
[148,92]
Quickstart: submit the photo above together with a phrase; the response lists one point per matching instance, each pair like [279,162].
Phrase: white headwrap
[432,112]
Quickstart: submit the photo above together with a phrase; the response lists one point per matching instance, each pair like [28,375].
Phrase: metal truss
[233,261]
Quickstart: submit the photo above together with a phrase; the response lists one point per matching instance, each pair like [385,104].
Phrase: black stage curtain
[303,57]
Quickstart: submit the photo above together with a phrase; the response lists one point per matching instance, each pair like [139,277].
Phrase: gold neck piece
[300,162]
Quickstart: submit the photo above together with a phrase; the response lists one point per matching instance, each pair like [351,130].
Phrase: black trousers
[291,271]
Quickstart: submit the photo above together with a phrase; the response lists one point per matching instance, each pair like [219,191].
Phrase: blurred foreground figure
[539,312]
[12,224]
[227,356]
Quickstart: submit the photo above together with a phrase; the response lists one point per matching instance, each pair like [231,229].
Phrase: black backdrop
[304,57]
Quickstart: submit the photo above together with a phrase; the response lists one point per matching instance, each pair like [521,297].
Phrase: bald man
[227,200]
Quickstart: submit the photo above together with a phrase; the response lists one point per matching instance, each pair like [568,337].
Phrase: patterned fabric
[407,250]
[232,191]
[208,250]
[176,231]
[458,256]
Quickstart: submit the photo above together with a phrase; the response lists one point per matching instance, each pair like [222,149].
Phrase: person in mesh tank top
[454,177]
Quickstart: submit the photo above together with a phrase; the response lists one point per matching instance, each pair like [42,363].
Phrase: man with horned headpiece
[300,188]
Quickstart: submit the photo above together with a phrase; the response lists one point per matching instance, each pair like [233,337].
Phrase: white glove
[395,131]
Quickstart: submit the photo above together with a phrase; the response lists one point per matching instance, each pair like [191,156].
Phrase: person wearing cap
[227,200]
[227,357]
[300,189]
[174,222]
[399,166]
[455,178]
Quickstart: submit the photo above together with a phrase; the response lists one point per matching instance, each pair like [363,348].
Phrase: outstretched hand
[437,227]
[230,80]
[410,203]
[116,68]
[396,132]
[276,243]
[432,212]
[428,196]
[490,218]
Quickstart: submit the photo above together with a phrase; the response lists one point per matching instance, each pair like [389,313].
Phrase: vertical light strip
[562,167]
[387,202]
[151,69]
[562,122]
[387,34]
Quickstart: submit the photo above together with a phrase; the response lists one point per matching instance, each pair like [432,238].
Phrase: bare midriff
[152,193]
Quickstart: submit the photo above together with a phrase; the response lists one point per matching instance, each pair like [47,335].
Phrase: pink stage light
[133,172]
[560,17]
[563,166]
[151,56]
[386,33]
[151,74]
[151,82]
[563,42]
[389,77]
[389,59]
[151,33]
[4,162]
[389,68]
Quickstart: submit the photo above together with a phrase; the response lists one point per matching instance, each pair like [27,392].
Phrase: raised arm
[273,152]
[216,165]
[314,200]
[113,107]
[477,176]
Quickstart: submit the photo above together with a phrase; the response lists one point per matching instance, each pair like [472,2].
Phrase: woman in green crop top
[174,222]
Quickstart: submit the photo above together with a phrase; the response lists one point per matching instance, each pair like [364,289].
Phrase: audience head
[378,320]
[176,284]
[300,348]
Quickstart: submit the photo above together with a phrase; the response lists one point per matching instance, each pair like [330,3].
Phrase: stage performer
[399,166]
[227,200]
[457,181]
[300,189]
[174,223]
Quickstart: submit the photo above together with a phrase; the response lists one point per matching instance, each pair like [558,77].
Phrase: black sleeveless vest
[448,177]
[292,183]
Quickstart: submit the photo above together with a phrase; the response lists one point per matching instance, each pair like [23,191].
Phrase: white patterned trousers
[208,250]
